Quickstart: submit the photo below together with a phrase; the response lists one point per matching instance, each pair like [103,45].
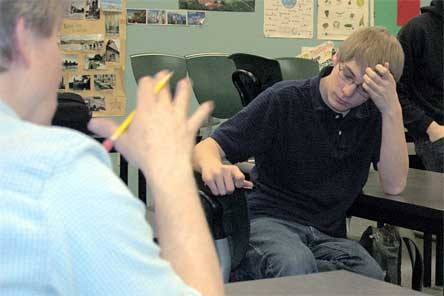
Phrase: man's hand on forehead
[383,70]
[379,71]
[380,84]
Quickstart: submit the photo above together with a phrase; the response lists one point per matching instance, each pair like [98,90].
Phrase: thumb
[102,127]
[248,185]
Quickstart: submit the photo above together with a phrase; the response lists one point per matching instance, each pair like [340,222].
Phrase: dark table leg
[439,268]
[142,187]
[123,169]
[427,259]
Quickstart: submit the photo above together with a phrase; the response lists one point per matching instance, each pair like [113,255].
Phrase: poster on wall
[217,5]
[337,19]
[92,40]
[288,18]
[322,53]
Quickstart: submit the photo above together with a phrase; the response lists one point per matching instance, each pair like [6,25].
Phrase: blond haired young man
[313,142]
[68,225]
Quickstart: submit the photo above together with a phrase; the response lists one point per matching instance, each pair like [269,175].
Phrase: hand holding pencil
[108,143]
[160,136]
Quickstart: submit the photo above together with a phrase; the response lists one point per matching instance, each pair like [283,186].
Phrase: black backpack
[72,112]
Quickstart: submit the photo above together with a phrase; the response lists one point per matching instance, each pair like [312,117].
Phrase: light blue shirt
[68,225]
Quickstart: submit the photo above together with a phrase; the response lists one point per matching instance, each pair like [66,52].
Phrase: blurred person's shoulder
[47,147]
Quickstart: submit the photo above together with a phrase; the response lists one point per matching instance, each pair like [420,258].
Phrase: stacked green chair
[149,64]
[145,64]
[211,77]
[293,68]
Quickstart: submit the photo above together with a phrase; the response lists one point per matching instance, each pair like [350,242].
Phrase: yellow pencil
[108,143]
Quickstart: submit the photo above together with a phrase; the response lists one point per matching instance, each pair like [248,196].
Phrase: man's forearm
[393,163]
[207,151]
[183,233]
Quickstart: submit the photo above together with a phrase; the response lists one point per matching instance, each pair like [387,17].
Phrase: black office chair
[247,85]
[227,218]
[266,71]
[73,112]
[253,75]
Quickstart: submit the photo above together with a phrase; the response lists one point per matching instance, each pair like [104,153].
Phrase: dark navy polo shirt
[311,163]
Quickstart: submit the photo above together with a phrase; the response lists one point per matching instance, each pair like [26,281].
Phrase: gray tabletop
[420,207]
[326,283]
[424,189]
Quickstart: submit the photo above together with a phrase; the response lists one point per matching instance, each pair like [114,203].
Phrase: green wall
[386,12]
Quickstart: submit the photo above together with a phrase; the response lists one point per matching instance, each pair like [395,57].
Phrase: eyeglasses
[347,76]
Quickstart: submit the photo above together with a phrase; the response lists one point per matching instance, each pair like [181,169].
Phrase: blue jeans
[431,154]
[281,248]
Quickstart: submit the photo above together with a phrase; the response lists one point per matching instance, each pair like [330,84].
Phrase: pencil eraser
[108,145]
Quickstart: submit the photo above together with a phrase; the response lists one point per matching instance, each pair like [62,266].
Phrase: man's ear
[22,44]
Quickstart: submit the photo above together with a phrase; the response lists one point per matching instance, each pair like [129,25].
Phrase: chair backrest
[72,112]
[247,85]
[211,76]
[293,68]
[149,64]
[266,70]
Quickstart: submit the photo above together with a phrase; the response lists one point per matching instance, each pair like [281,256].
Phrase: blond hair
[41,16]
[371,46]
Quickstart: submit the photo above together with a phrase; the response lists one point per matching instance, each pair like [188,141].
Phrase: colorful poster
[288,18]
[337,19]
[323,54]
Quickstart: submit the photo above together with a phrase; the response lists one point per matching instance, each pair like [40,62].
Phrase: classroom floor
[357,227]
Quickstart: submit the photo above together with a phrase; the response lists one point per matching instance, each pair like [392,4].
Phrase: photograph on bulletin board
[92,40]
[216,5]
[196,18]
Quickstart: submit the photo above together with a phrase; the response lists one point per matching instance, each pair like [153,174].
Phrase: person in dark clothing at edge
[313,142]
[420,88]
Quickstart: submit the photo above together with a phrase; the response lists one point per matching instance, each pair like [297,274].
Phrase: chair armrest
[214,213]
[227,216]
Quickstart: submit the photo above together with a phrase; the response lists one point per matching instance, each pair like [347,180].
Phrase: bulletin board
[92,41]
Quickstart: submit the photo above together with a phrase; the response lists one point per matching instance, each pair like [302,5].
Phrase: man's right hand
[161,137]
[222,179]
